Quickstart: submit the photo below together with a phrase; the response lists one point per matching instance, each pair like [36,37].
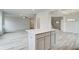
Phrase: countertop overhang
[38,31]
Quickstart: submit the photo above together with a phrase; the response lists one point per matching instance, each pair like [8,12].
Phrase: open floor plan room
[39,29]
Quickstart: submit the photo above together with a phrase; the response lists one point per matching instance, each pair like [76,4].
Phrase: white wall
[72,26]
[57,14]
[45,20]
[15,24]
[68,26]
[0,23]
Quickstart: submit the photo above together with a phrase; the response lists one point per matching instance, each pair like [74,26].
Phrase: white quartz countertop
[37,31]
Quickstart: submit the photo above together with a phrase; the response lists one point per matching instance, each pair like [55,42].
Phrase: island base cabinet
[39,39]
[40,44]
[43,43]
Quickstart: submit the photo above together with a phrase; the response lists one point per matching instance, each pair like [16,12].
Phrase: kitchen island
[40,39]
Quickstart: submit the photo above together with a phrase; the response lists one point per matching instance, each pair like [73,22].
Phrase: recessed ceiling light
[71,20]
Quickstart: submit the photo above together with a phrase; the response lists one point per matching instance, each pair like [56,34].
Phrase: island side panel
[31,41]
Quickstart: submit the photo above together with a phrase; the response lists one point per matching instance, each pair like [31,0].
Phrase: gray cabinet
[40,39]
[52,39]
[47,42]
[43,41]
[40,44]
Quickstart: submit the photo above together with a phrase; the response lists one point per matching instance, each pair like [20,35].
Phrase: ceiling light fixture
[71,20]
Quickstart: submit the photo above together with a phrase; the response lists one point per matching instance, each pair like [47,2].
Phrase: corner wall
[0,22]
[13,24]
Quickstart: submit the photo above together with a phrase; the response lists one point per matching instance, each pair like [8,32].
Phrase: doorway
[31,24]
[56,22]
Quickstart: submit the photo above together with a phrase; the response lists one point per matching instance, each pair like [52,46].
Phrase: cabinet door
[47,42]
[40,44]
[52,39]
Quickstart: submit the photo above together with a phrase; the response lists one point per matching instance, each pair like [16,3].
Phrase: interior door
[56,22]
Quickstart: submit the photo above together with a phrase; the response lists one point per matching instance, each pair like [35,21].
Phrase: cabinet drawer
[47,34]
[40,35]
